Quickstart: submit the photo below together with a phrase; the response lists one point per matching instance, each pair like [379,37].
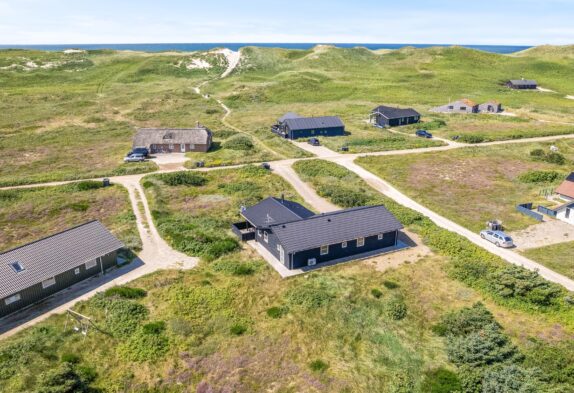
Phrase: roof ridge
[329,214]
[49,236]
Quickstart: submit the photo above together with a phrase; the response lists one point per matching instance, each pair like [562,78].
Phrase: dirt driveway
[543,234]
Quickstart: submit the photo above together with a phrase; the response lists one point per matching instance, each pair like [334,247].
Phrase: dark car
[266,165]
[314,142]
[139,150]
[424,134]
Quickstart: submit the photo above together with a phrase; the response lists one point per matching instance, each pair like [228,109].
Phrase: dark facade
[317,239]
[32,272]
[522,84]
[291,126]
[385,116]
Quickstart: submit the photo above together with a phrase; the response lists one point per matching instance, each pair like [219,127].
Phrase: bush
[396,309]
[318,365]
[143,346]
[441,380]
[470,138]
[277,312]
[234,267]
[555,359]
[125,292]
[86,185]
[537,153]
[551,157]
[239,142]
[70,358]
[434,124]
[518,282]
[390,284]
[62,379]
[344,197]
[183,179]
[154,327]
[377,293]
[465,321]
[320,168]
[123,317]
[309,295]
[512,378]
[237,329]
[539,177]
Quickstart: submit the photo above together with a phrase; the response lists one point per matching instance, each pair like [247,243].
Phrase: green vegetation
[125,292]
[557,257]
[447,182]
[30,214]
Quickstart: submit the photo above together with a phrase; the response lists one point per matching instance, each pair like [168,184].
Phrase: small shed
[387,116]
[522,84]
[174,140]
[34,271]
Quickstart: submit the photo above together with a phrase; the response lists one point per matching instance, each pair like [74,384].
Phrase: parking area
[171,161]
[546,233]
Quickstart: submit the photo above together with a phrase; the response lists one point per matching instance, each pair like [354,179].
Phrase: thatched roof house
[174,140]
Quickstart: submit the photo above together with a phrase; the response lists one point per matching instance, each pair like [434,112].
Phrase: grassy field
[557,257]
[27,215]
[473,185]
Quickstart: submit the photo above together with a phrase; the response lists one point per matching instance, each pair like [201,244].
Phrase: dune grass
[558,257]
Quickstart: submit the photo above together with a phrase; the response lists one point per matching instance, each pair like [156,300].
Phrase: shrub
[441,380]
[377,293]
[320,168]
[551,157]
[470,138]
[518,282]
[537,153]
[434,124]
[465,321]
[390,284]
[396,309]
[344,197]
[123,316]
[239,142]
[154,327]
[512,378]
[180,327]
[318,365]
[237,329]
[234,267]
[539,177]
[64,379]
[183,179]
[555,359]
[85,185]
[277,312]
[9,195]
[125,292]
[143,346]
[69,358]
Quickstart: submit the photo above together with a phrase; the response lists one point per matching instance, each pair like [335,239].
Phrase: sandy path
[233,59]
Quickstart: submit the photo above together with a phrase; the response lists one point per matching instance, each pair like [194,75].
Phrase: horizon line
[281,43]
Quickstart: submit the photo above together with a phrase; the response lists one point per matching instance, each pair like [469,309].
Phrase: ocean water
[235,46]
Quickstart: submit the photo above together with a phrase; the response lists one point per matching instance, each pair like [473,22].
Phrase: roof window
[17,266]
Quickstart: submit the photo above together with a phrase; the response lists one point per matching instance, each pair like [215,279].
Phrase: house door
[567,213]
[183,147]
[281,254]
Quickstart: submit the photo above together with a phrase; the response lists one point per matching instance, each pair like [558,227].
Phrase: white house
[566,189]
[565,213]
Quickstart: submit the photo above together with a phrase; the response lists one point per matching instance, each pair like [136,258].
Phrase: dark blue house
[299,238]
[293,126]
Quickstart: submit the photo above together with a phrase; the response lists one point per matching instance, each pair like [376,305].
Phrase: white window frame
[91,264]
[259,232]
[265,236]
[191,147]
[12,299]
[77,271]
[278,247]
[360,241]
[182,147]
[49,283]
[311,261]
[324,250]
[380,236]
[344,245]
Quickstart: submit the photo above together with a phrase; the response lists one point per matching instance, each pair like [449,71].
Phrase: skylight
[17,266]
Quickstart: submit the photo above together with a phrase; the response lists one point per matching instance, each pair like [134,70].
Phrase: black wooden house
[293,126]
[298,238]
[386,116]
[522,84]
[39,269]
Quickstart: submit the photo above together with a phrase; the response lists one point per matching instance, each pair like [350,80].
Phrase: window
[463,108]
[344,245]
[380,236]
[266,237]
[278,247]
[360,242]
[17,266]
[77,271]
[48,283]
[450,107]
[171,146]
[324,250]
[311,262]
[191,147]
[12,299]
[91,264]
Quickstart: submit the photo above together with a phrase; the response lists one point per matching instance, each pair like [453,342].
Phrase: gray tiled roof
[522,82]
[273,211]
[53,255]
[336,227]
[150,136]
[309,123]
[395,113]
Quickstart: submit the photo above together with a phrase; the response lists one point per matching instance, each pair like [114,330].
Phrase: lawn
[473,185]
[30,214]
[558,257]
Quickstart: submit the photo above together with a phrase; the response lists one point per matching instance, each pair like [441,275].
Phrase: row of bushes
[539,176]
[550,157]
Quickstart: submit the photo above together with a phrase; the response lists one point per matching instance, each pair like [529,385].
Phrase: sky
[487,22]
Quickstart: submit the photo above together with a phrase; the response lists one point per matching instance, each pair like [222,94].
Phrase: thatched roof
[146,137]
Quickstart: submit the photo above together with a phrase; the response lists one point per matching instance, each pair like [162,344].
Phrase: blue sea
[235,46]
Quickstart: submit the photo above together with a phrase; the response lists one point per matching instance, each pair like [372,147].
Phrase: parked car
[344,148]
[499,238]
[424,134]
[139,150]
[266,165]
[135,158]
[314,142]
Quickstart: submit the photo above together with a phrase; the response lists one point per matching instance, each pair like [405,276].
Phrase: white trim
[360,241]
[344,245]
[12,299]
[311,261]
[380,236]
[49,282]
[77,271]
[324,250]
[265,236]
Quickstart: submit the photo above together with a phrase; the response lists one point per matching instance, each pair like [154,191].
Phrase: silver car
[499,238]
[135,158]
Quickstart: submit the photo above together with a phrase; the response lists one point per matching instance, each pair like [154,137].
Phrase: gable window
[266,237]
[49,282]
[17,266]
[324,250]
[360,242]
[91,264]
[12,299]
[380,236]
[344,245]
[77,271]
